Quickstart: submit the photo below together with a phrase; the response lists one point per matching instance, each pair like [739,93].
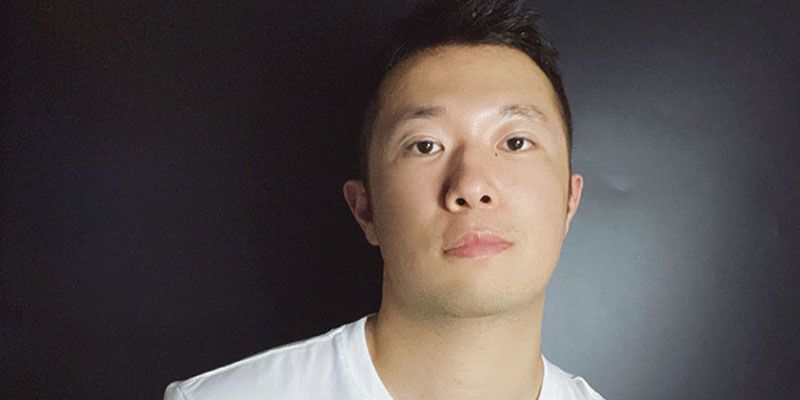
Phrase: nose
[470,184]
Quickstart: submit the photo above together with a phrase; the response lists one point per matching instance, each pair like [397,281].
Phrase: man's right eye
[425,147]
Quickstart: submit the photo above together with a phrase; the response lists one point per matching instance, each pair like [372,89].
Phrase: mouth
[477,244]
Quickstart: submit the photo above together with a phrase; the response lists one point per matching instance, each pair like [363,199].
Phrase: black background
[171,179]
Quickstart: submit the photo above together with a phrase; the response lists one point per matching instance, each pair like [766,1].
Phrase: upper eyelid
[413,133]
[529,137]
[524,134]
[410,139]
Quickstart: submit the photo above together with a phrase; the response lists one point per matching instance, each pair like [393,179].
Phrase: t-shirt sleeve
[173,392]
[585,392]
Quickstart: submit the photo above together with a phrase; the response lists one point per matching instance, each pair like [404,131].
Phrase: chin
[476,301]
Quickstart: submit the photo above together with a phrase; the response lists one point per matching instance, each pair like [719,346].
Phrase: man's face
[469,182]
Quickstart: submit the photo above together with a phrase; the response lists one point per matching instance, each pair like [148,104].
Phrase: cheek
[404,203]
[542,194]
[540,203]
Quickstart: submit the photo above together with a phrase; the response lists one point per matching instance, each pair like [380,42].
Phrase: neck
[495,356]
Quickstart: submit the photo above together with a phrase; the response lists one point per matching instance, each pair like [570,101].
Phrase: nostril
[461,201]
[485,199]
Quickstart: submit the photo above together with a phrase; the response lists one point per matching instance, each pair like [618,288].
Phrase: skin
[464,328]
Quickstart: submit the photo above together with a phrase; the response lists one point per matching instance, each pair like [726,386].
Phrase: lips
[477,244]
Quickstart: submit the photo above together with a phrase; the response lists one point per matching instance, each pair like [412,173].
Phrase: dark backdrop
[171,192]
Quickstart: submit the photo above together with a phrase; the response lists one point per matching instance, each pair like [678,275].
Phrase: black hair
[435,23]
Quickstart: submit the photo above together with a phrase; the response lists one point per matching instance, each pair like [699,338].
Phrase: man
[467,189]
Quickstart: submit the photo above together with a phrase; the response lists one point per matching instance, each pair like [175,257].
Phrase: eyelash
[412,148]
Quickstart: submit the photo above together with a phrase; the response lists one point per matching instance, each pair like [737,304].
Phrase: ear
[355,194]
[576,186]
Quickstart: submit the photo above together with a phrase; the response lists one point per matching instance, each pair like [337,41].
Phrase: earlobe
[355,195]
[576,187]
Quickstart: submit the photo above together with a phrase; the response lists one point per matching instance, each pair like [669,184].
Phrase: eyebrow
[527,111]
[429,112]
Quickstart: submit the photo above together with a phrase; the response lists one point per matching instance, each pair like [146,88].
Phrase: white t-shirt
[334,365]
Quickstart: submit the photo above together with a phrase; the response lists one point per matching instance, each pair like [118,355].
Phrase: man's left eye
[518,143]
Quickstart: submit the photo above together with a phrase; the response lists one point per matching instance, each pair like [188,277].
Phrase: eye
[424,147]
[518,143]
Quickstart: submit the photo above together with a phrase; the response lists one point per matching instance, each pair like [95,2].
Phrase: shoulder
[562,385]
[275,373]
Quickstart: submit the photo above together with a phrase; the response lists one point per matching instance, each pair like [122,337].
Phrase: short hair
[436,23]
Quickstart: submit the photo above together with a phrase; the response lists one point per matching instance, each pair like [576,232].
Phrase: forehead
[466,80]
